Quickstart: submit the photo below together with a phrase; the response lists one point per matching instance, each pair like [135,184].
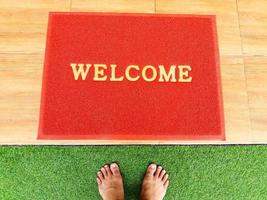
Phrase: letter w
[80,70]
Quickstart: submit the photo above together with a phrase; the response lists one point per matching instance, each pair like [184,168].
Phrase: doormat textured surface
[131,77]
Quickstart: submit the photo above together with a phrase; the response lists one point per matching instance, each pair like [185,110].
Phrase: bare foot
[110,183]
[155,183]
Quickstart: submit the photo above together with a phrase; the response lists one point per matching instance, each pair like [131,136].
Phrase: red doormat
[131,77]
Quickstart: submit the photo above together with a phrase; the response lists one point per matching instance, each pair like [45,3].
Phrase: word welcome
[148,73]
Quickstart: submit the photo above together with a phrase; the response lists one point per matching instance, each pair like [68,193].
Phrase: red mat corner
[131,109]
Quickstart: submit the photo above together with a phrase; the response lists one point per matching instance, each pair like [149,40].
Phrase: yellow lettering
[163,75]
[80,71]
[148,73]
[127,72]
[183,75]
[154,73]
[100,71]
[113,74]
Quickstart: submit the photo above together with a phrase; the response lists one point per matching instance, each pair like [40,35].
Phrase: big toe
[151,169]
[115,169]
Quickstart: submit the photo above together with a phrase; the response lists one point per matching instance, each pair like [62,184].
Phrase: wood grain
[147,6]
[23,24]
[256,72]
[253,26]
[226,14]
[20,83]
[237,119]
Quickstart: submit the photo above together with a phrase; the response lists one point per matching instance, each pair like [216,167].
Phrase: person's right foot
[155,183]
[110,183]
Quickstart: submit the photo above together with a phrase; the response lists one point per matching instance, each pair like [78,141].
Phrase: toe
[162,173]
[166,184]
[151,169]
[165,178]
[107,170]
[98,181]
[159,168]
[115,169]
[104,171]
[100,176]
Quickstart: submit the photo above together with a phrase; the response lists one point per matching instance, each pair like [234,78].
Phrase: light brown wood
[253,26]
[237,121]
[226,14]
[242,41]
[256,72]
[253,29]
[146,6]
[23,24]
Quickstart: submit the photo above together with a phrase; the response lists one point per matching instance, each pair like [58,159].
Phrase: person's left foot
[110,183]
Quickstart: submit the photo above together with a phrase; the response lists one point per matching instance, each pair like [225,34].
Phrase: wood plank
[52,5]
[23,25]
[256,71]
[253,26]
[234,83]
[237,119]
[113,6]
[259,125]
[20,83]
[227,19]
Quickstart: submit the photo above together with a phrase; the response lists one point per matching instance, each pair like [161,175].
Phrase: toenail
[106,166]
[152,166]
[113,165]
[98,172]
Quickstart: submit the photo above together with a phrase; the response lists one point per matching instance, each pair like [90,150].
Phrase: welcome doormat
[131,77]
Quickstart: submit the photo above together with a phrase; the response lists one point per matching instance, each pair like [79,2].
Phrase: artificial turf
[196,172]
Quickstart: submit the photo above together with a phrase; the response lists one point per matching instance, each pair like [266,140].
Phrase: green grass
[196,172]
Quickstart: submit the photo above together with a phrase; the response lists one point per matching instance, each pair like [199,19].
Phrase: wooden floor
[242,29]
